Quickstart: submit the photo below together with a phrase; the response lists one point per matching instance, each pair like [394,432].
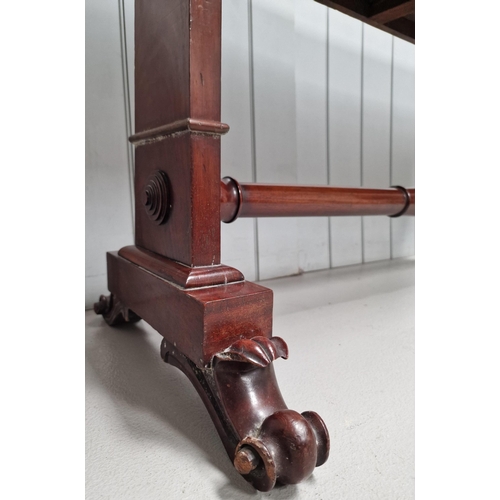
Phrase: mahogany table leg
[267,442]
[220,337]
[217,327]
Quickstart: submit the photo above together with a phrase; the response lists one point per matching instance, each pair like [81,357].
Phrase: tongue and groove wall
[312,97]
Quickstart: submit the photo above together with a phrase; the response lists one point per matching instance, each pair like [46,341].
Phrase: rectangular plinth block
[201,322]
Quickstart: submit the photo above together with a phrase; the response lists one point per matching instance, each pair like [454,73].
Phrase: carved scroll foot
[113,311]
[268,443]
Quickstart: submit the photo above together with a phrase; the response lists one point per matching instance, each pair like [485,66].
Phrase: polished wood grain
[411,208]
[177,62]
[177,118]
[220,337]
[179,127]
[162,63]
[200,321]
[191,163]
[217,327]
[230,196]
[180,274]
[268,443]
[270,200]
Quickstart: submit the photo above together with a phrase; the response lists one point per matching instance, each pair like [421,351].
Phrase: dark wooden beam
[404,27]
[363,10]
[386,11]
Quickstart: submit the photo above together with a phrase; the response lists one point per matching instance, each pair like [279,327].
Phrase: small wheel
[114,312]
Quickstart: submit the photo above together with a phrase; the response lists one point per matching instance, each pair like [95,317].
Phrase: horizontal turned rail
[270,200]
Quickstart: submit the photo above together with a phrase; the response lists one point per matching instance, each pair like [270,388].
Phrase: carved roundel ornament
[156,198]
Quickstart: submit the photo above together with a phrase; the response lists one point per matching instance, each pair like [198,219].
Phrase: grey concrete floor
[350,332]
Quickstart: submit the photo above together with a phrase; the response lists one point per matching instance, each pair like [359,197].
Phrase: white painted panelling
[128,8]
[238,243]
[311,41]
[403,141]
[344,124]
[376,136]
[108,217]
[275,133]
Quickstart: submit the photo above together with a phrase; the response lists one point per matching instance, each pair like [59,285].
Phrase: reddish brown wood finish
[216,326]
[207,127]
[220,337]
[411,208]
[177,62]
[230,199]
[177,95]
[192,165]
[201,321]
[180,274]
[396,17]
[268,200]
[267,442]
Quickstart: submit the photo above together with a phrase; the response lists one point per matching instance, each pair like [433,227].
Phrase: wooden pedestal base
[220,337]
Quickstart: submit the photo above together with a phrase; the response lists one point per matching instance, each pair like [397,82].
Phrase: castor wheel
[114,312]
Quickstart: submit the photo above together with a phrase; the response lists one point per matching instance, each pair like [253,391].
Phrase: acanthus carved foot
[267,442]
[113,311]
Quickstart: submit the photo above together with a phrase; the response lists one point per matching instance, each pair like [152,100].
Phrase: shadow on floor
[129,368]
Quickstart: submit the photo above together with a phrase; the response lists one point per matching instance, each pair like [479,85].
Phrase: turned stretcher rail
[270,200]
